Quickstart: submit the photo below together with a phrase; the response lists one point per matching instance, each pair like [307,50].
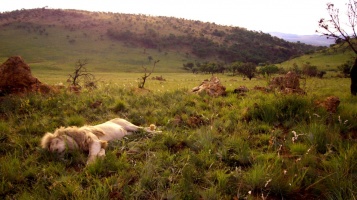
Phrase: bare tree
[334,28]
[80,71]
[147,74]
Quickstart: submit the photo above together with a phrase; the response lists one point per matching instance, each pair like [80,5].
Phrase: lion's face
[57,145]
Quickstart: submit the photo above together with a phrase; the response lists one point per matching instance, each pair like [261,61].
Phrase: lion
[92,139]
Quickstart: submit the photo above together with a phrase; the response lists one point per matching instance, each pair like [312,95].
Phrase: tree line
[251,70]
[236,44]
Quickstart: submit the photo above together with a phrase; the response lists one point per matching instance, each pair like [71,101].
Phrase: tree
[345,68]
[333,28]
[80,71]
[269,70]
[190,66]
[247,69]
[147,74]
[310,70]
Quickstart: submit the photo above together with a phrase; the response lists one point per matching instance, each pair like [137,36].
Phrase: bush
[286,110]
[269,70]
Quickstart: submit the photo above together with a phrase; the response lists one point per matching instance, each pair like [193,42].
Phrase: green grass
[240,147]
[326,60]
[53,54]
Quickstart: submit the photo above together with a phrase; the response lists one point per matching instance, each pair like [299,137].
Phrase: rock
[263,89]
[213,87]
[16,77]
[158,78]
[330,104]
[241,89]
[96,104]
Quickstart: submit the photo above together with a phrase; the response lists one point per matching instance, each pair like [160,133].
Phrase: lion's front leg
[101,153]
[95,149]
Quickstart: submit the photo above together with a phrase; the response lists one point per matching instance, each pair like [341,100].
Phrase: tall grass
[210,148]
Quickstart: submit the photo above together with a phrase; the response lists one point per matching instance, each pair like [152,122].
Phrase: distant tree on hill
[269,70]
[309,70]
[190,66]
[150,58]
[233,67]
[334,28]
[248,70]
[295,68]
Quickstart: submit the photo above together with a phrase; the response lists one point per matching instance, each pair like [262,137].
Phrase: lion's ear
[46,140]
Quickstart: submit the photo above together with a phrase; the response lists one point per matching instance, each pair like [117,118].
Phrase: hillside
[327,59]
[54,39]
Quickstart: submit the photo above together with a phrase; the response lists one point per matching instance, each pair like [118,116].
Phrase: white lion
[93,139]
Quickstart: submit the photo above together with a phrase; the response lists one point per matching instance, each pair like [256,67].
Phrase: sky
[285,16]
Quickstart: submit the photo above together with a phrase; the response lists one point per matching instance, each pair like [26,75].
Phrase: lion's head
[69,138]
[58,143]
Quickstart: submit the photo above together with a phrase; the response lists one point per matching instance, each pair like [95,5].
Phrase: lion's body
[88,138]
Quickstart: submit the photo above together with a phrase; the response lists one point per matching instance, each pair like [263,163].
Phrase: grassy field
[261,145]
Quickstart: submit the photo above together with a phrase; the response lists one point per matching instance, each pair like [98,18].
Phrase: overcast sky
[286,16]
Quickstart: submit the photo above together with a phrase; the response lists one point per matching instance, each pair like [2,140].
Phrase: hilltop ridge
[105,35]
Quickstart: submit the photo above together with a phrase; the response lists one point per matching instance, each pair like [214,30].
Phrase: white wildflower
[307,152]
[316,115]
[266,184]
[296,136]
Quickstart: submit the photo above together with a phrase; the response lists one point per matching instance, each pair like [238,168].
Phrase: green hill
[52,39]
[326,59]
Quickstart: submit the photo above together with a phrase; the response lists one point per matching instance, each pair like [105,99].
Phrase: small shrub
[104,167]
[256,177]
[235,152]
[210,194]
[317,135]
[298,149]
[75,120]
[287,109]
[339,181]
[119,106]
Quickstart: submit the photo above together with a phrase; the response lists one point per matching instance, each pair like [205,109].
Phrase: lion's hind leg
[128,126]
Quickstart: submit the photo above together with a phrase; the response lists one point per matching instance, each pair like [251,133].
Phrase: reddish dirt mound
[287,84]
[330,104]
[212,87]
[16,77]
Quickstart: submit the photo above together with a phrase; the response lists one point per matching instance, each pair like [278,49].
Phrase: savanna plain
[242,147]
